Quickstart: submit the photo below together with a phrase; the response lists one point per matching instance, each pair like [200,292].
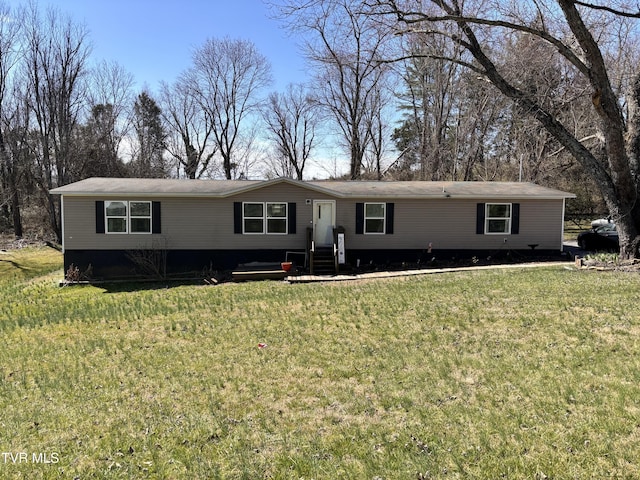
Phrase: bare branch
[457,61]
[226,78]
[605,8]
[414,17]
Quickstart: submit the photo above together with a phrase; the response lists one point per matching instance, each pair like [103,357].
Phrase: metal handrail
[311,248]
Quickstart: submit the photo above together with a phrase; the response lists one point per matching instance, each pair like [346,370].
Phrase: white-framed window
[268,217]
[140,217]
[116,216]
[277,218]
[374,218]
[127,217]
[497,218]
[253,217]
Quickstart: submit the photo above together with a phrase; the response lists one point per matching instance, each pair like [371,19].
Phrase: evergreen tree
[98,149]
[151,135]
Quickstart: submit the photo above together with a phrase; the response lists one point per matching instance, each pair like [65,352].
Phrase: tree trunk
[10,184]
[613,174]
[629,225]
[15,212]
[54,217]
[228,167]
[622,195]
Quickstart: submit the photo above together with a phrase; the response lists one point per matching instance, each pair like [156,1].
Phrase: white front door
[324,220]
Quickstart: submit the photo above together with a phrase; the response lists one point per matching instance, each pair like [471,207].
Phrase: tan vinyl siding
[451,224]
[208,223]
[189,223]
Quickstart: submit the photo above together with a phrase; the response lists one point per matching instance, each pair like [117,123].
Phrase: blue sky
[154,39]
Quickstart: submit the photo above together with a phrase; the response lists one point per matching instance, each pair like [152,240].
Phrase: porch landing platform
[426,271]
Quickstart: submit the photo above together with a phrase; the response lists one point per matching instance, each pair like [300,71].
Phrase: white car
[601,222]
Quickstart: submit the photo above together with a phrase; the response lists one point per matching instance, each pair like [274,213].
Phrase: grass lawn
[530,374]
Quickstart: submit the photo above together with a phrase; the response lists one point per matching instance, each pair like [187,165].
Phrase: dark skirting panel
[415,258]
[119,264]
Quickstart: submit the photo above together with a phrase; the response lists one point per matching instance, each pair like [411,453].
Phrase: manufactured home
[117,224]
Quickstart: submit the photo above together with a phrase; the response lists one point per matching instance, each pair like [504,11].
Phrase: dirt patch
[10,242]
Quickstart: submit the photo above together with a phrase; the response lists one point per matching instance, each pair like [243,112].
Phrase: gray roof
[153,186]
[341,189]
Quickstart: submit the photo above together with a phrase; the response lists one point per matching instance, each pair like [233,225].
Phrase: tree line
[64,118]
[475,90]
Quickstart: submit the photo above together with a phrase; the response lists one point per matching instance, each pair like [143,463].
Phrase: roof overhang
[129,187]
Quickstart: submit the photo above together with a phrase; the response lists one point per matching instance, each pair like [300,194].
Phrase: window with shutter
[498,218]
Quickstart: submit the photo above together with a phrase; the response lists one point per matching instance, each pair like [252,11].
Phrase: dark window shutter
[100,216]
[359,218]
[515,218]
[480,219]
[389,218]
[291,212]
[156,219]
[237,217]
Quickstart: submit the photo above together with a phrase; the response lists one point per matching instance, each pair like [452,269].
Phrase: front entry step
[323,261]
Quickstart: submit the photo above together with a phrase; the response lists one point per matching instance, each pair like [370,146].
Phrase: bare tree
[578,31]
[99,138]
[346,49]
[226,79]
[189,138]
[10,54]
[378,132]
[111,94]
[430,99]
[291,119]
[477,115]
[54,71]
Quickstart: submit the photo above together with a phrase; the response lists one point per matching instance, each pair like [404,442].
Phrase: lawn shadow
[12,263]
[129,286]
